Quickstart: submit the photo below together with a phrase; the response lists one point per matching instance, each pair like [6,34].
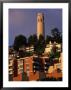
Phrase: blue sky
[23,21]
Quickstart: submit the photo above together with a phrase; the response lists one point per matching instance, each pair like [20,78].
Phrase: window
[21,66]
[41,19]
[10,67]
[27,73]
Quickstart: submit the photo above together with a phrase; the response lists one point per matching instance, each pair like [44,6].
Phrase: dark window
[39,19]
[10,67]
[15,68]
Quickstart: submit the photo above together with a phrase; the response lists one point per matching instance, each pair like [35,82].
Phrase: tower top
[39,14]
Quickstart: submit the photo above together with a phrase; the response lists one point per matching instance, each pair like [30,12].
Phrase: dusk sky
[24,21]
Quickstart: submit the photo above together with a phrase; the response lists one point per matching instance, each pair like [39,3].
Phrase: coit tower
[40,24]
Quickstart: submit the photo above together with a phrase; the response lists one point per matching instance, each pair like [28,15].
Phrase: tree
[56,35]
[32,39]
[40,45]
[19,41]
[22,53]
[48,38]
[24,76]
[41,39]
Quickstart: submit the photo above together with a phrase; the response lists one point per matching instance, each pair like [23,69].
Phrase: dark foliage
[32,40]
[19,41]
[40,45]
[56,35]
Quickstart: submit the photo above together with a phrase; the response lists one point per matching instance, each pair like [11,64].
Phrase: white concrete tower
[40,24]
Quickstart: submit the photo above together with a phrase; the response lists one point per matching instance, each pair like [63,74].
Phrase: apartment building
[10,63]
[32,67]
[50,45]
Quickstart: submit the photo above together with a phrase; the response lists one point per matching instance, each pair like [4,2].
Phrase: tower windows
[39,19]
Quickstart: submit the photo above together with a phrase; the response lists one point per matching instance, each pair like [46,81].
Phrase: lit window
[27,67]
[27,73]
